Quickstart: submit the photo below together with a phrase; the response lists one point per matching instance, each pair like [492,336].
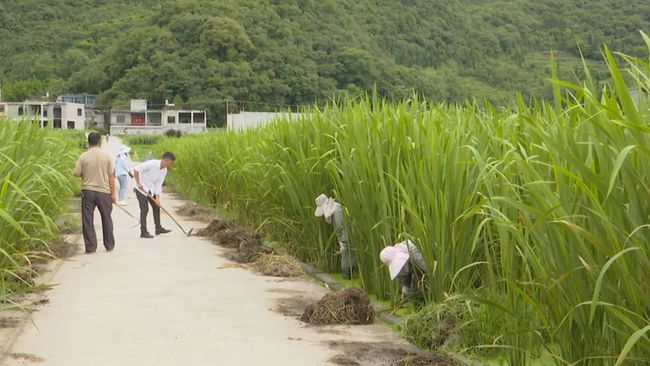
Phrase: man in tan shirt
[97,174]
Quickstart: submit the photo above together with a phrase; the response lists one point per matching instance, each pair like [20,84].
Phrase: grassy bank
[533,219]
[36,183]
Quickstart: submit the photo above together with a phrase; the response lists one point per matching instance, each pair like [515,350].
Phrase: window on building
[44,112]
[79,113]
[70,125]
[199,117]
[154,118]
[2,109]
[21,111]
[57,123]
[120,119]
[185,117]
[45,123]
[171,119]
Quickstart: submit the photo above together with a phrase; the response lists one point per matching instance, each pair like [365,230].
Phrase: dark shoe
[146,235]
[89,251]
[162,230]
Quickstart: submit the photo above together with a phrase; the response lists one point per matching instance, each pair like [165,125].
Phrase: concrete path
[174,300]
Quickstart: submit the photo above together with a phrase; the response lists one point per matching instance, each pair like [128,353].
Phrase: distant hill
[293,52]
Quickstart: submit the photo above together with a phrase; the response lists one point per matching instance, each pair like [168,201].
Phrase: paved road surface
[171,301]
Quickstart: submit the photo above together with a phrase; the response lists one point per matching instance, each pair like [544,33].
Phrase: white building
[95,118]
[48,114]
[245,120]
[139,120]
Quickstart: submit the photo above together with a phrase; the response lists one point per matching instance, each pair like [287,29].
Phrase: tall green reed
[539,211]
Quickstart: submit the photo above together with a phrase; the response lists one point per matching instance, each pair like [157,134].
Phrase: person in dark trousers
[95,167]
[149,177]
[332,211]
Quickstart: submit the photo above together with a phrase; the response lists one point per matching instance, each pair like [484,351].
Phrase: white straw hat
[325,206]
[395,257]
[123,150]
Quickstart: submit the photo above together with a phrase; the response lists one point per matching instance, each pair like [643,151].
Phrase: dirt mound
[348,306]
[213,228]
[278,265]
[195,211]
[232,238]
[250,250]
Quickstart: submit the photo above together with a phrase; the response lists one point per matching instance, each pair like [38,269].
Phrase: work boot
[162,230]
[146,235]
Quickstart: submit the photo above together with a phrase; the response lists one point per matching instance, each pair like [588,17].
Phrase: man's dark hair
[94,138]
[169,156]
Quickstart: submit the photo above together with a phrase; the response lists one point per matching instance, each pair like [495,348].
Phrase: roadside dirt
[196,212]
[173,297]
[384,353]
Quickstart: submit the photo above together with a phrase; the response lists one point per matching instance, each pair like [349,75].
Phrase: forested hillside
[273,53]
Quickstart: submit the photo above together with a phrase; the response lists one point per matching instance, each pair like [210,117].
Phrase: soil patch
[428,359]
[348,306]
[385,353]
[278,265]
[61,248]
[292,306]
[368,353]
[26,357]
[343,360]
[197,212]
[10,322]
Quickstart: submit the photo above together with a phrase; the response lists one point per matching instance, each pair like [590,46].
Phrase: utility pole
[226,124]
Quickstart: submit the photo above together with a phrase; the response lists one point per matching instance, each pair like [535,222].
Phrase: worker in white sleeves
[332,211]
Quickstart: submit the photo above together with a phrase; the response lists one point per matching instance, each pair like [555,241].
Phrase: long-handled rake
[127,212]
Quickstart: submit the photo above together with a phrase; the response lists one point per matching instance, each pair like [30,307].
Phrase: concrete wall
[55,115]
[159,121]
[155,130]
[138,104]
[246,120]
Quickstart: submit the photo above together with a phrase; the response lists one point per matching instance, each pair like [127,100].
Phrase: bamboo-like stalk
[540,210]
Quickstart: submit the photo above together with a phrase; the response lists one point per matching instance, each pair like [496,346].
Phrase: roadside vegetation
[36,184]
[533,218]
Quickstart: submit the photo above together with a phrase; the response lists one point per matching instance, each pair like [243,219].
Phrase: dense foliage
[276,53]
[533,220]
[36,183]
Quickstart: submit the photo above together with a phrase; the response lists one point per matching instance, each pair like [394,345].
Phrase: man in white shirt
[149,177]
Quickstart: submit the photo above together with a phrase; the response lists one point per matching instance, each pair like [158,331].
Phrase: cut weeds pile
[347,306]
[248,248]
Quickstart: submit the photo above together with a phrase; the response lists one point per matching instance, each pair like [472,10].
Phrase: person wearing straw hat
[332,211]
[405,261]
[122,171]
